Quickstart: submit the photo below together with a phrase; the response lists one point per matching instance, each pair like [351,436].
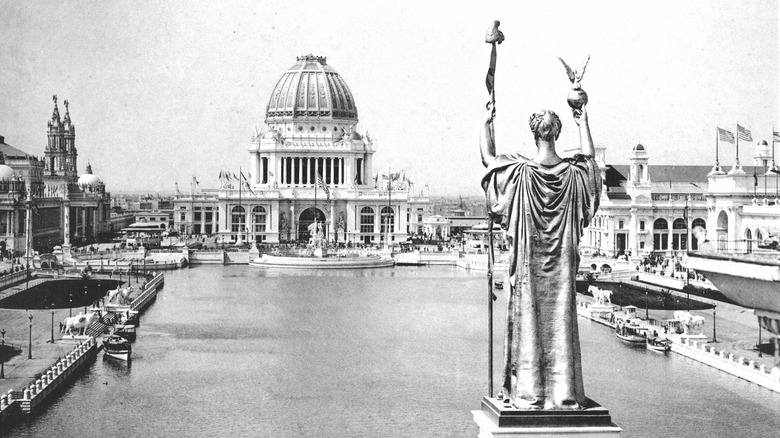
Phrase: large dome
[311,90]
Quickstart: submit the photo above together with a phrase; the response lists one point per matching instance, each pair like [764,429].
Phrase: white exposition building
[653,208]
[310,134]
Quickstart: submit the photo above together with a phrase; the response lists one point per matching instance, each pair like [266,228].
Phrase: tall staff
[492,37]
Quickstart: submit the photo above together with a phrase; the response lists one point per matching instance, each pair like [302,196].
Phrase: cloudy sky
[160,91]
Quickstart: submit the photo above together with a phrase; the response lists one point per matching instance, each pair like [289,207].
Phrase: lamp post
[29,345]
[2,351]
[647,308]
[714,335]
[52,327]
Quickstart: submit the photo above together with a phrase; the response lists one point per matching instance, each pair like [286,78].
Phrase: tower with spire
[60,154]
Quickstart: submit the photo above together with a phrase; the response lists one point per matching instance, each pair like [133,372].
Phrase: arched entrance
[306,218]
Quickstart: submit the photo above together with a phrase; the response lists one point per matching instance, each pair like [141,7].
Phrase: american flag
[744,134]
[322,185]
[775,136]
[726,136]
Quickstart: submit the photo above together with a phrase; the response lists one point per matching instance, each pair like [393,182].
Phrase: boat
[659,344]
[117,347]
[631,332]
[269,261]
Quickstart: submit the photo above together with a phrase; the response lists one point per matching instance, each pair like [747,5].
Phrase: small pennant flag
[726,136]
[743,133]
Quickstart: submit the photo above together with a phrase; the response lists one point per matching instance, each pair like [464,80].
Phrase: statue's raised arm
[586,141]
[487,143]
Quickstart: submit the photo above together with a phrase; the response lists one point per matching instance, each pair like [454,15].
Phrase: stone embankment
[20,404]
[700,350]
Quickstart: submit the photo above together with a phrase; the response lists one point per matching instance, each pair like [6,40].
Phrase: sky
[162,91]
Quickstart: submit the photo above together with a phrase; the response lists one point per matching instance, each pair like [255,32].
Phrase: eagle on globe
[577,97]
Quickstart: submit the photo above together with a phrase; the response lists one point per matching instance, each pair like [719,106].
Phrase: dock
[724,355]
[48,363]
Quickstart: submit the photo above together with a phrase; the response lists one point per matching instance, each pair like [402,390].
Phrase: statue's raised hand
[580,115]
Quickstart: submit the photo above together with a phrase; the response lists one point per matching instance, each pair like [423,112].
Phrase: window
[660,235]
[238,219]
[259,223]
[620,225]
[366,220]
[388,220]
[208,216]
[197,216]
[642,225]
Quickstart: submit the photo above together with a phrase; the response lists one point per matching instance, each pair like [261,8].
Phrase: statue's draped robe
[543,210]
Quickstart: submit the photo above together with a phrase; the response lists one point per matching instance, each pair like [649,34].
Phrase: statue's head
[545,125]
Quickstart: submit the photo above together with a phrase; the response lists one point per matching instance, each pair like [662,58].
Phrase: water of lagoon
[400,352]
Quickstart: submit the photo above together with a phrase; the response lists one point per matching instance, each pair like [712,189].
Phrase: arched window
[259,223]
[748,241]
[388,220]
[237,219]
[660,235]
[366,220]
[679,235]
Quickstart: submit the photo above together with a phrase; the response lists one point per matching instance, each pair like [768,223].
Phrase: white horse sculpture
[601,296]
[79,322]
[688,321]
[118,296]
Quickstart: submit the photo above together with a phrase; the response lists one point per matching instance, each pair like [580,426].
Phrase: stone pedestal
[496,419]
[254,253]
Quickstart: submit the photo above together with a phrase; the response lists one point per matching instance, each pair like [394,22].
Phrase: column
[350,220]
[94,223]
[293,226]
[254,167]
[316,169]
[632,243]
[377,220]
[332,230]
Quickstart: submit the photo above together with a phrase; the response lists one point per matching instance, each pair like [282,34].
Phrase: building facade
[47,195]
[651,209]
[309,162]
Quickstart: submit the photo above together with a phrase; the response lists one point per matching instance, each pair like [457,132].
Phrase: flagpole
[192,204]
[717,162]
[736,165]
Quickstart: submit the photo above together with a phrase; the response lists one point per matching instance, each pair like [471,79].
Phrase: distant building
[64,207]
[309,162]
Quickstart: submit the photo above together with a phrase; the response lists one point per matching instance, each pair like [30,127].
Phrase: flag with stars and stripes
[726,136]
[743,133]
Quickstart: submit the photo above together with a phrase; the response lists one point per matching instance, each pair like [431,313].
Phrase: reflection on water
[237,351]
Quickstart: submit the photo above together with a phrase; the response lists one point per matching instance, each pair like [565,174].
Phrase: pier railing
[36,392]
[725,361]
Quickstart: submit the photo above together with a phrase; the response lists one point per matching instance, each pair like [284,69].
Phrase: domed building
[309,162]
